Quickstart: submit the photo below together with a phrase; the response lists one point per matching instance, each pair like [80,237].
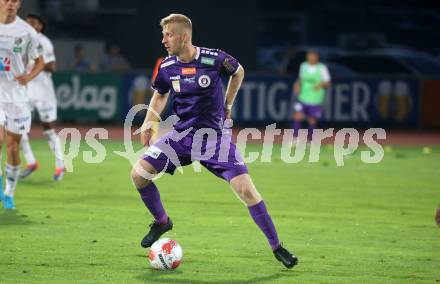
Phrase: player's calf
[162,223]
[141,176]
[13,148]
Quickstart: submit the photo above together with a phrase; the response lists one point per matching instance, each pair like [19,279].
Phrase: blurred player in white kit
[42,97]
[18,46]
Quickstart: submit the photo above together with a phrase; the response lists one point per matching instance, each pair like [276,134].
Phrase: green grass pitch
[361,223]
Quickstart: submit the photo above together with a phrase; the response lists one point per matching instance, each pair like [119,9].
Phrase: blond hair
[178,19]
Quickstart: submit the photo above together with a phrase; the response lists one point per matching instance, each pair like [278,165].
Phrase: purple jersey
[196,87]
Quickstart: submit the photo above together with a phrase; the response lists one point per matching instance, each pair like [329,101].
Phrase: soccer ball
[165,254]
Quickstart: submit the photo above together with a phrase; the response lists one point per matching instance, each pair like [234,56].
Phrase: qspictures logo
[293,150]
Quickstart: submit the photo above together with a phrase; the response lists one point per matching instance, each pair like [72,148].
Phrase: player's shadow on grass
[13,218]
[154,276]
[40,181]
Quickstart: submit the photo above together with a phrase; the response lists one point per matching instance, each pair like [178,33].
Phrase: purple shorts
[216,152]
[309,110]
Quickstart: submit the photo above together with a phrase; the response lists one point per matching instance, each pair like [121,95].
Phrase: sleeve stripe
[238,68]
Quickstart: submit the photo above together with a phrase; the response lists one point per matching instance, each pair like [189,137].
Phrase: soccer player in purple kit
[192,76]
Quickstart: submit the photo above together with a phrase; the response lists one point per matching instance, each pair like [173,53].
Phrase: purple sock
[151,198]
[310,133]
[296,127]
[262,219]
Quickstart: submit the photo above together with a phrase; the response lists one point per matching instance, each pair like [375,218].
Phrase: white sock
[55,146]
[27,150]
[12,174]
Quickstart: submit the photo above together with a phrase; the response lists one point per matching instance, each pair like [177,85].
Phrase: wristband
[228,107]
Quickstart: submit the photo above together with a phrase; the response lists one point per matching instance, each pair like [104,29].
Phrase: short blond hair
[178,19]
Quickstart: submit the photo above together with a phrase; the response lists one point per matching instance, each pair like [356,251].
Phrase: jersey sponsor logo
[191,80]
[207,60]
[5,64]
[21,119]
[176,86]
[204,81]
[189,71]
[167,63]
[204,51]
[175,77]
[153,152]
[17,49]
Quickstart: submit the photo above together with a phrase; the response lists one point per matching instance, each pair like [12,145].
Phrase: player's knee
[13,146]
[298,116]
[248,194]
[312,121]
[47,126]
[138,180]
[142,174]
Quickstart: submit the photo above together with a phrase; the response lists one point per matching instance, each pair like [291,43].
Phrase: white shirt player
[18,46]
[41,87]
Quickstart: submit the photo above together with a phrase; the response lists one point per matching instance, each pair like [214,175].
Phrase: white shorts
[15,117]
[47,110]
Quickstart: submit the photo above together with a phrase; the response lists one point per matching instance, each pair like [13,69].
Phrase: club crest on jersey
[5,64]
[176,85]
[18,41]
[204,81]
[189,71]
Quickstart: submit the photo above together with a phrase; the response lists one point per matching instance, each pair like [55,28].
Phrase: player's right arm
[161,87]
[297,84]
[34,50]
[155,109]
[296,87]
[36,69]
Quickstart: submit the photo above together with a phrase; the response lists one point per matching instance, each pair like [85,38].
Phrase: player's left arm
[50,67]
[325,79]
[26,78]
[49,57]
[323,84]
[232,89]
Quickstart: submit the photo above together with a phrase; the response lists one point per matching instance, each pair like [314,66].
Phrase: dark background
[242,28]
